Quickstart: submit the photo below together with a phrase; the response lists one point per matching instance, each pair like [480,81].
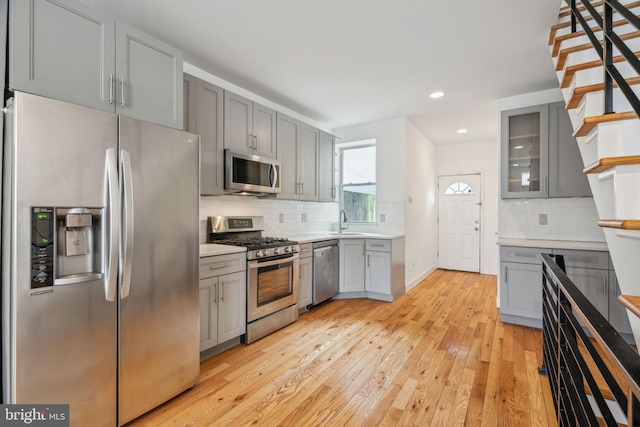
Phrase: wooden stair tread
[571,70]
[607,163]
[622,224]
[631,302]
[564,53]
[580,92]
[556,27]
[558,41]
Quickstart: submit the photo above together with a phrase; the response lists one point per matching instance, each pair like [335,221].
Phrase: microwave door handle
[273,175]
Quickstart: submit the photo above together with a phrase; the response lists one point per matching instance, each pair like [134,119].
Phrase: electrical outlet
[542,219]
[383,217]
[303,217]
[281,218]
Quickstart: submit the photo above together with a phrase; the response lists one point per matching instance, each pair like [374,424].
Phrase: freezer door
[59,341]
[159,306]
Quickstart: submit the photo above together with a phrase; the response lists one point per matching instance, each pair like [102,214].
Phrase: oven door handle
[258,264]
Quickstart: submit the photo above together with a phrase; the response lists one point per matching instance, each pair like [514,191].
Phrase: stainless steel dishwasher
[326,262]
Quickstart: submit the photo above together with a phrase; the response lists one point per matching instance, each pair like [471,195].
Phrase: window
[459,188]
[358,180]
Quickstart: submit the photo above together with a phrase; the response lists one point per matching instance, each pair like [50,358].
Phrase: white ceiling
[345,62]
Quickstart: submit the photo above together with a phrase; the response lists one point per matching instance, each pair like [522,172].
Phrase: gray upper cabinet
[539,156]
[566,178]
[205,107]
[66,50]
[148,78]
[326,168]
[297,152]
[248,126]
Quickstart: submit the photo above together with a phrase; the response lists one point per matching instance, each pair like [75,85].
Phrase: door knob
[476,228]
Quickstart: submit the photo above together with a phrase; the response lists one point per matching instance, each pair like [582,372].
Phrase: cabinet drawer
[381,245]
[584,259]
[306,250]
[222,264]
[522,254]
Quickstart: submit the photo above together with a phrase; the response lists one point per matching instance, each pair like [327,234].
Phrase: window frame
[340,148]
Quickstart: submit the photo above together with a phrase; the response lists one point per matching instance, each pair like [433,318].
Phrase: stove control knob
[287,249]
[258,254]
[276,251]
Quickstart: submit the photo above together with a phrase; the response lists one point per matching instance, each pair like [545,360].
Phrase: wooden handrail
[621,224]
[607,163]
[590,122]
[631,302]
[580,92]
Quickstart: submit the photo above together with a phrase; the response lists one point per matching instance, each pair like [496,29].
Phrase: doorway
[459,201]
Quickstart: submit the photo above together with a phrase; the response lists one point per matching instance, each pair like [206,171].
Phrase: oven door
[272,285]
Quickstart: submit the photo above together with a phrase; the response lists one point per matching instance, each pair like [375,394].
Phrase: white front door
[459,222]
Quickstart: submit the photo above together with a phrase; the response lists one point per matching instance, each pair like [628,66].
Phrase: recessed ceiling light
[437,95]
[461,131]
[518,147]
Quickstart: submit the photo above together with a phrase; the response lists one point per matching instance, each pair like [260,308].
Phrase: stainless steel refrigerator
[99,261]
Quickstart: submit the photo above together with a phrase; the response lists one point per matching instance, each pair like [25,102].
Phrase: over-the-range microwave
[248,173]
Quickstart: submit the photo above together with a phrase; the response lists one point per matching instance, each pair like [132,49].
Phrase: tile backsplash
[281,217]
[566,219]
[289,217]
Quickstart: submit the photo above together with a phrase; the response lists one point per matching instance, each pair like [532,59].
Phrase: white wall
[420,216]
[405,166]
[477,157]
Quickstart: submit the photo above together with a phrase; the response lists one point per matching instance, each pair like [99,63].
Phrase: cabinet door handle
[302,188]
[546,184]
[110,88]
[604,285]
[506,274]
[216,266]
[222,291]
[122,101]
[368,260]
[255,142]
[215,294]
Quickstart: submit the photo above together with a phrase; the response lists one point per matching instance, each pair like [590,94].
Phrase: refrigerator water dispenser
[79,253]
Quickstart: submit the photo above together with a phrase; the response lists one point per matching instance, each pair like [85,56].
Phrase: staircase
[609,143]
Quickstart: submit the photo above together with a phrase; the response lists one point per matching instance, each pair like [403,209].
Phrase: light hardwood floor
[438,356]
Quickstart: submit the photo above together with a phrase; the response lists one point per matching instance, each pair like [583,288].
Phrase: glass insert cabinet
[525,145]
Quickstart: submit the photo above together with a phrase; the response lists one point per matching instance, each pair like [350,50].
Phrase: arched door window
[458,188]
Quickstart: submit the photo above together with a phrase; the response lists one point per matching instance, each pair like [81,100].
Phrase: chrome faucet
[342,221]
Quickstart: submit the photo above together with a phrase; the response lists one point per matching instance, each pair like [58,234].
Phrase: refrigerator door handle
[127,226]
[111,281]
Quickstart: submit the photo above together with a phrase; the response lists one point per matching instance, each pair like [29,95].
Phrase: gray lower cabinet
[66,50]
[305,298]
[326,167]
[204,110]
[521,285]
[352,265]
[590,271]
[298,153]
[249,127]
[372,268]
[618,316]
[223,299]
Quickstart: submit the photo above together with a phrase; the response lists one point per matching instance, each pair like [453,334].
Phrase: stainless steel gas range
[273,270]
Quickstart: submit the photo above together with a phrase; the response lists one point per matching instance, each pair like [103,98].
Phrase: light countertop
[554,244]
[212,249]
